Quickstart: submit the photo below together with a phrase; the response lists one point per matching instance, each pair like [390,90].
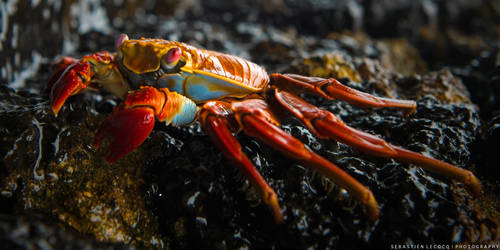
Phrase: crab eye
[171,59]
[173,55]
[120,39]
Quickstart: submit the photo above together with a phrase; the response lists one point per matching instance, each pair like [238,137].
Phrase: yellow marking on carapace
[142,56]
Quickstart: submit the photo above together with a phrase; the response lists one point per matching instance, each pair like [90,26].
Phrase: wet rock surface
[177,191]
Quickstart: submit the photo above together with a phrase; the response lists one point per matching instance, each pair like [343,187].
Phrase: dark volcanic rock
[49,166]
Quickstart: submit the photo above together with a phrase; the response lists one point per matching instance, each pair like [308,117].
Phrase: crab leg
[325,125]
[256,119]
[333,89]
[216,122]
[131,122]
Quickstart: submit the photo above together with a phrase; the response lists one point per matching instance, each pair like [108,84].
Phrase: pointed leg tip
[371,207]
[373,216]
[474,186]
[273,204]
[278,218]
[55,110]
[411,110]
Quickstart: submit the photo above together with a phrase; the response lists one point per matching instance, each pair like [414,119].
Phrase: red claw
[68,81]
[59,68]
[126,129]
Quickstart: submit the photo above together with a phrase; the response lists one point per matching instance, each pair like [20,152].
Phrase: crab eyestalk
[170,59]
[119,40]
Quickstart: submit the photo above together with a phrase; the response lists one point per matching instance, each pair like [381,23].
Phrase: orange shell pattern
[144,55]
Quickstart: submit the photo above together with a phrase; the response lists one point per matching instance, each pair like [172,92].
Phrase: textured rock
[177,191]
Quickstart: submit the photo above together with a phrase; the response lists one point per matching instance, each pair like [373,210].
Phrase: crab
[176,83]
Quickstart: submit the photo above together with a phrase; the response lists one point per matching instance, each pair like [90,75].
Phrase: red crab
[178,84]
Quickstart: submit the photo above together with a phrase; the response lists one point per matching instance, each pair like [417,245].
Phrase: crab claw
[131,123]
[59,68]
[68,81]
[126,129]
